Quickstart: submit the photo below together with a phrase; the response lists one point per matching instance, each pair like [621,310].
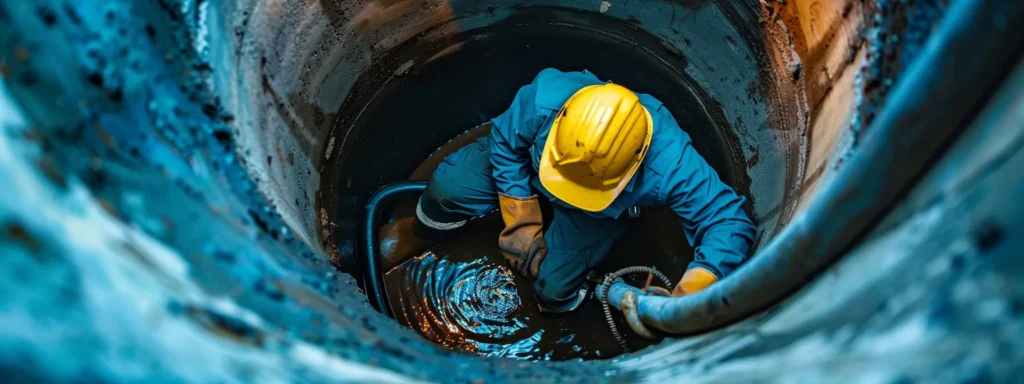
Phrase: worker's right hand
[522,241]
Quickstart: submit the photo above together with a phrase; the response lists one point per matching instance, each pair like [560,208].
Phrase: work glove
[694,280]
[522,241]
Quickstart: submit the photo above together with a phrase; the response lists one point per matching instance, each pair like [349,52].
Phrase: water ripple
[471,305]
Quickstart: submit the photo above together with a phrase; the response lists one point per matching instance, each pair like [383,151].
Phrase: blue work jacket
[673,174]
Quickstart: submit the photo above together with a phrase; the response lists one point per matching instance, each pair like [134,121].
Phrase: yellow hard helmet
[595,146]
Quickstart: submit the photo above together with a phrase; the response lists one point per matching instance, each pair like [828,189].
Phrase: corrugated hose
[606,285]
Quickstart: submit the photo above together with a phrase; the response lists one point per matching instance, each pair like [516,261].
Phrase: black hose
[373,283]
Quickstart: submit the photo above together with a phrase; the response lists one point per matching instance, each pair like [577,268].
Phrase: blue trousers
[463,187]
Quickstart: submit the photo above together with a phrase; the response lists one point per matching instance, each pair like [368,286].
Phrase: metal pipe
[373,284]
[898,148]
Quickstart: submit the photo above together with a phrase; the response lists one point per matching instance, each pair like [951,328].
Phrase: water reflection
[462,295]
[473,306]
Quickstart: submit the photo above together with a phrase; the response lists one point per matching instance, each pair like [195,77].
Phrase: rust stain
[277,149]
[754,157]
[328,240]
[380,13]
[445,52]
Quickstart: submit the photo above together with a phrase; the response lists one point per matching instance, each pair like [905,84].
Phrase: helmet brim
[579,196]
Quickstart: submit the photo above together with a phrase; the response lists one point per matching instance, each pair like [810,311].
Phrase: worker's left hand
[694,280]
[522,241]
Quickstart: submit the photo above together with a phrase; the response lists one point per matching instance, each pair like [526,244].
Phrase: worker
[594,149]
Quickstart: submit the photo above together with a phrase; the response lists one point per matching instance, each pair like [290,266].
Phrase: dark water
[473,306]
[461,295]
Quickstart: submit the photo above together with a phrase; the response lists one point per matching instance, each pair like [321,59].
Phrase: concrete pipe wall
[764,73]
[753,89]
[179,179]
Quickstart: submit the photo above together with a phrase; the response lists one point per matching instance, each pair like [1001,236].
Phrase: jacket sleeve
[512,134]
[711,213]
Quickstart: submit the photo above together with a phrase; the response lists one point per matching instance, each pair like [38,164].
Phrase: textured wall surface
[160,162]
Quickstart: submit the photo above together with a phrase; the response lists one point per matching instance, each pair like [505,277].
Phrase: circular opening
[191,113]
[433,88]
